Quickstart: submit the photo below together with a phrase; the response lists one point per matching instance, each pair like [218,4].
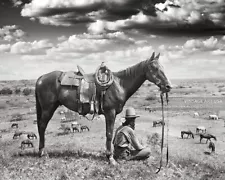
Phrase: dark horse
[84,127]
[50,94]
[26,142]
[189,133]
[207,136]
[31,135]
[155,123]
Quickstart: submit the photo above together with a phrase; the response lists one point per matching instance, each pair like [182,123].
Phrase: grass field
[82,155]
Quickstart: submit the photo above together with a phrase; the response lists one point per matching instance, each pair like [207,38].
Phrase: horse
[160,122]
[212,147]
[26,142]
[50,94]
[76,126]
[200,128]
[17,134]
[189,133]
[196,114]
[84,128]
[213,116]
[207,136]
[31,135]
[14,125]
[149,109]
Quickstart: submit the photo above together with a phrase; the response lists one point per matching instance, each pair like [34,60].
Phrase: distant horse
[214,117]
[189,133]
[149,109]
[212,147]
[207,136]
[14,125]
[76,126]
[50,94]
[31,135]
[160,122]
[84,128]
[200,129]
[17,134]
[196,114]
[27,143]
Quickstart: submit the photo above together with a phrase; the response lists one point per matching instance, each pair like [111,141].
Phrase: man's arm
[132,138]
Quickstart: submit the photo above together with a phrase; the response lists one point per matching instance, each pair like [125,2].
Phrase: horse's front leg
[110,121]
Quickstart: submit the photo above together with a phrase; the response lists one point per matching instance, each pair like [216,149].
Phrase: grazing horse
[196,114]
[31,135]
[207,136]
[214,117]
[50,95]
[201,129]
[212,147]
[26,142]
[84,127]
[14,125]
[76,126]
[160,122]
[189,133]
[17,134]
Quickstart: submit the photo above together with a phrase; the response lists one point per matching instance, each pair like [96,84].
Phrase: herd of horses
[201,131]
[27,143]
[109,97]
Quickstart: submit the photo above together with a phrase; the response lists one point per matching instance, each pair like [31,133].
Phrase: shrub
[6,91]
[27,91]
[17,117]
[151,97]
[17,91]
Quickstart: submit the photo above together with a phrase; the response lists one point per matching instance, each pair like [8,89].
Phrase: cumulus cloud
[22,47]
[88,43]
[11,33]
[186,17]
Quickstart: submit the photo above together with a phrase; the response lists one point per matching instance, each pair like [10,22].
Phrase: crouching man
[126,144]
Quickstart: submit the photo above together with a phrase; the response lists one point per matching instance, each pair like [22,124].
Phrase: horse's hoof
[112,162]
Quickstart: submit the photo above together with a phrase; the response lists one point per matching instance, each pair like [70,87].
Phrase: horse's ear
[157,57]
[152,57]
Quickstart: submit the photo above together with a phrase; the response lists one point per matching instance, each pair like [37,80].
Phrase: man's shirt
[125,137]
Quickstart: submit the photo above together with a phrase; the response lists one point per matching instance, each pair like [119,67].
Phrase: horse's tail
[38,105]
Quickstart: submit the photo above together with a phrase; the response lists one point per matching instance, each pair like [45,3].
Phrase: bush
[27,91]
[17,91]
[151,97]
[6,91]
[16,117]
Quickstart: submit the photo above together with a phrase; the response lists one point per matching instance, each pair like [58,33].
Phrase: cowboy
[126,144]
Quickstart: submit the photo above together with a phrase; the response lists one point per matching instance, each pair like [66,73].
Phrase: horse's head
[155,74]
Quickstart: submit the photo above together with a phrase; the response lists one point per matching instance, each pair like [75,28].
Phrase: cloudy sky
[37,36]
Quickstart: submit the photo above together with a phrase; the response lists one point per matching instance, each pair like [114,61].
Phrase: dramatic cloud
[21,47]
[158,17]
[11,33]
[87,43]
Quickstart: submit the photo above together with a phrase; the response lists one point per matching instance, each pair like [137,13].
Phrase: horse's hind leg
[42,122]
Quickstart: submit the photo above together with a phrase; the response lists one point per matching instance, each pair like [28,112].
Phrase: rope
[163,127]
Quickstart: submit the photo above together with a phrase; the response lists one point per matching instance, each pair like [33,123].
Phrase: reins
[163,127]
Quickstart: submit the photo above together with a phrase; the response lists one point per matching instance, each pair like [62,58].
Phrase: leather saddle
[87,85]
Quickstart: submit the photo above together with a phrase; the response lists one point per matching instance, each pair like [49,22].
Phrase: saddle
[87,86]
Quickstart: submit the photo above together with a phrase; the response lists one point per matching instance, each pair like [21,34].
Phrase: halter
[163,124]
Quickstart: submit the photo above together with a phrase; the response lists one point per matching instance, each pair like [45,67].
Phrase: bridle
[163,127]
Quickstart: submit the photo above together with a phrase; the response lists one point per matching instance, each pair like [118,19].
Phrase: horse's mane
[133,70]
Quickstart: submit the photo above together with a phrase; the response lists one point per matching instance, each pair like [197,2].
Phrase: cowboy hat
[130,113]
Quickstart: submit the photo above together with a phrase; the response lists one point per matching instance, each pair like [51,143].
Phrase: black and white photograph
[112,89]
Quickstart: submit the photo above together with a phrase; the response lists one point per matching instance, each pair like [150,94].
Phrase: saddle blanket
[68,79]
